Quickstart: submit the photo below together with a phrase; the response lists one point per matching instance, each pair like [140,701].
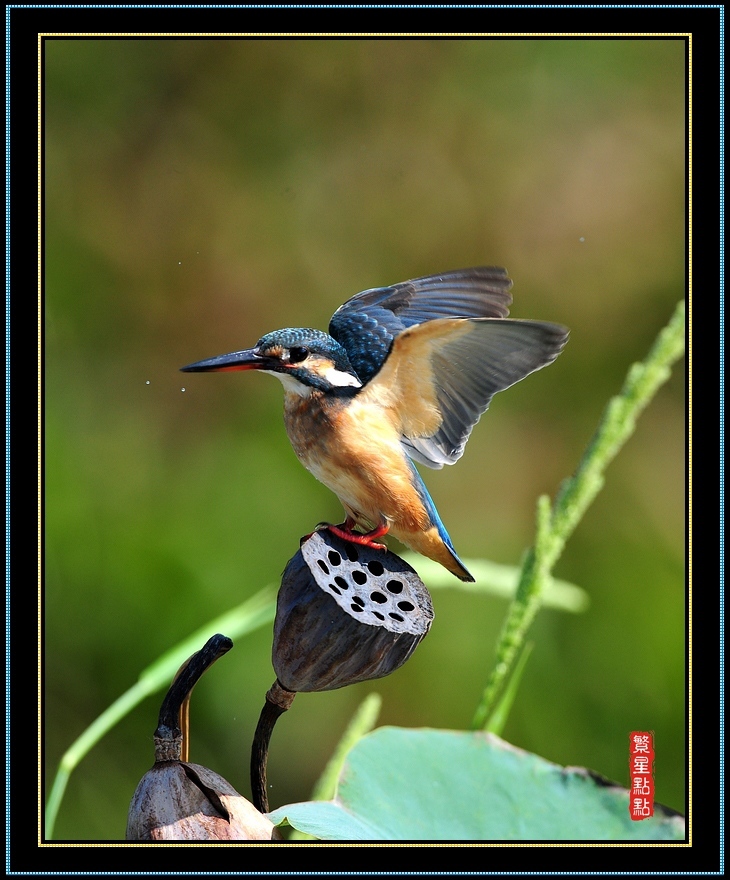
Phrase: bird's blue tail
[463,573]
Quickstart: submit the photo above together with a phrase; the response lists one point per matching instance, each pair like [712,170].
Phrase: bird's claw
[346,532]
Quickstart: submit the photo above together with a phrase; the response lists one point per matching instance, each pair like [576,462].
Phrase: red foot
[345,531]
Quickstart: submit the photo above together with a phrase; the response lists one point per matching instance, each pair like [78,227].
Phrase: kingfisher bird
[403,375]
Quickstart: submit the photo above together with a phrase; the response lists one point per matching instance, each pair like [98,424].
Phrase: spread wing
[440,376]
[367,324]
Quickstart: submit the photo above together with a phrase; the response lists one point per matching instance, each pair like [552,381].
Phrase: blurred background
[200,193]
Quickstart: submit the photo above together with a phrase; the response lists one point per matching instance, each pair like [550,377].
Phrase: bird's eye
[297,354]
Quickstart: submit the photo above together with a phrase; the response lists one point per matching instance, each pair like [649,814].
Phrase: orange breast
[353,447]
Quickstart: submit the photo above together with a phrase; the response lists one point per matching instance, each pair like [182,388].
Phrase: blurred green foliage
[202,192]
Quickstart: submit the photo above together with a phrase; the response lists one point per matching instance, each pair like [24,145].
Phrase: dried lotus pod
[179,800]
[346,613]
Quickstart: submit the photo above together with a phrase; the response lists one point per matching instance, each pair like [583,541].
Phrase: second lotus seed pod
[179,800]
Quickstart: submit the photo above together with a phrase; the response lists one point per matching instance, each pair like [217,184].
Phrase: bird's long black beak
[249,359]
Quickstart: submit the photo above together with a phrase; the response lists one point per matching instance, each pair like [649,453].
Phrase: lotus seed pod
[346,613]
[179,800]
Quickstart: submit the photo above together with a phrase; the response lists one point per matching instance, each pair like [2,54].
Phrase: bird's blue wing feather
[367,324]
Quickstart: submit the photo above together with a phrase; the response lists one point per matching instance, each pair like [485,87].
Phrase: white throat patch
[291,384]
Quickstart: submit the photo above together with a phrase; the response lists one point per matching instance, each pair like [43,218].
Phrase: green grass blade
[498,718]
[555,524]
[498,580]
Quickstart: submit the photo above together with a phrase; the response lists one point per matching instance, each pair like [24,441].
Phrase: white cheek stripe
[340,379]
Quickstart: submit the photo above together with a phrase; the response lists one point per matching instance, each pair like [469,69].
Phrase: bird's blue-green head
[303,358]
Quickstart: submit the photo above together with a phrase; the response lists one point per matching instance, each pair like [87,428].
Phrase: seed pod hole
[351,552]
